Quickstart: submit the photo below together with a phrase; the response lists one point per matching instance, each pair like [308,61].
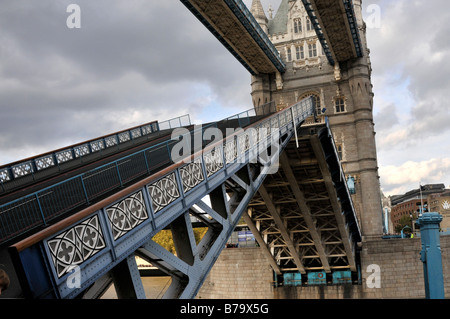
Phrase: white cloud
[408,175]
[408,56]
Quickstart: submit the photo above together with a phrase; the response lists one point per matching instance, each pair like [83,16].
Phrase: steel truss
[303,216]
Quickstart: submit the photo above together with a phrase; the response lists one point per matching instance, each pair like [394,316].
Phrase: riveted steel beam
[306,211]
[340,219]
[274,211]
[249,222]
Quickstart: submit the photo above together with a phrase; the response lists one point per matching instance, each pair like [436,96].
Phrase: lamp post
[412,216]
[431,255]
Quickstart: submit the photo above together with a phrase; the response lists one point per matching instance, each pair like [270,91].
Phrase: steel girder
[234,26]
[303,215]
[336,27]
[68,258]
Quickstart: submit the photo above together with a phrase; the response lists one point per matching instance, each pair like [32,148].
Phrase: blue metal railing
[40,207]
[30,168]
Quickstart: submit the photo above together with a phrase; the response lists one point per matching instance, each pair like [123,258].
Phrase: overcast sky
[134,61]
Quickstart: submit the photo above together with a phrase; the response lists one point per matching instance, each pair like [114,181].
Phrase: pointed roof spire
[279,23]
[258,11]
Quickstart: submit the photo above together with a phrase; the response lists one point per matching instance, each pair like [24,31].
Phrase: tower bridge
[84,212]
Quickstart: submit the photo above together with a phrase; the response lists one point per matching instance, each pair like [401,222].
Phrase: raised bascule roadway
[73,220]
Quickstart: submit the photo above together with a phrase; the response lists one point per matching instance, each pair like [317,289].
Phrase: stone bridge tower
[343,93]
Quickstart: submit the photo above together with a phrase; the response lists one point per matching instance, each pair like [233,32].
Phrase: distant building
[409,204]
[416,193]
[409,208]
[440,203]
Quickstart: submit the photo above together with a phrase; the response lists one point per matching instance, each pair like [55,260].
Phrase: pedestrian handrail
[40,207]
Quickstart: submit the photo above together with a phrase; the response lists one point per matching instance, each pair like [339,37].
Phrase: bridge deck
[336,26]
[234,26]
[34,202]
[106,235]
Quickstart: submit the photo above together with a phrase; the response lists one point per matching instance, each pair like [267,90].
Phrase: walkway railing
[39,208]
[111,230]
[58,160]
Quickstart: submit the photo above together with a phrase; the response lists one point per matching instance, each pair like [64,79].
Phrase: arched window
[300,52]
[308,24]
[297,26]
[316,100]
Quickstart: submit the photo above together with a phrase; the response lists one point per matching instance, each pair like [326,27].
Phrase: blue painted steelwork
[29,212]
[292,279]
[32,166]
[353,24]
[244,16]
[317,278]
[431,255]
[337,175]
[11,172]
[102,236]
[341,277]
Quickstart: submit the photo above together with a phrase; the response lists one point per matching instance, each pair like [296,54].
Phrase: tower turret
[258,12]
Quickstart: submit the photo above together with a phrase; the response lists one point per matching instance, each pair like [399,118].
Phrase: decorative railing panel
[96,243]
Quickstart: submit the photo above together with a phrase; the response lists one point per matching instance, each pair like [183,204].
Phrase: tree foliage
[404,221]
[165,238]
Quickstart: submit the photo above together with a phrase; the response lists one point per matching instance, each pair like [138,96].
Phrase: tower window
[308,24]
[297,26]
[312,48]
[340,105]
[289,54]
[339,151]
[300,52]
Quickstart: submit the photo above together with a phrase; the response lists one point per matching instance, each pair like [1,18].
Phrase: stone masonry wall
[239,274]
[244,273]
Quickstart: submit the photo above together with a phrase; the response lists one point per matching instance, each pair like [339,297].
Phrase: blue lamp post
[431,255]
[351,185]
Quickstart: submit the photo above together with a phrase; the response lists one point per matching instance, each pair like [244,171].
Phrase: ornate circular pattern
[76,245]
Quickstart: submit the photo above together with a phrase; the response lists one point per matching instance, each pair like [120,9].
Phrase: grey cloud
[414,40]
[386,118]
[151,58]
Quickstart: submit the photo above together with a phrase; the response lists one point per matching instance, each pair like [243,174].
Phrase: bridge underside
[302,215]
[336,27]
[235,27]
